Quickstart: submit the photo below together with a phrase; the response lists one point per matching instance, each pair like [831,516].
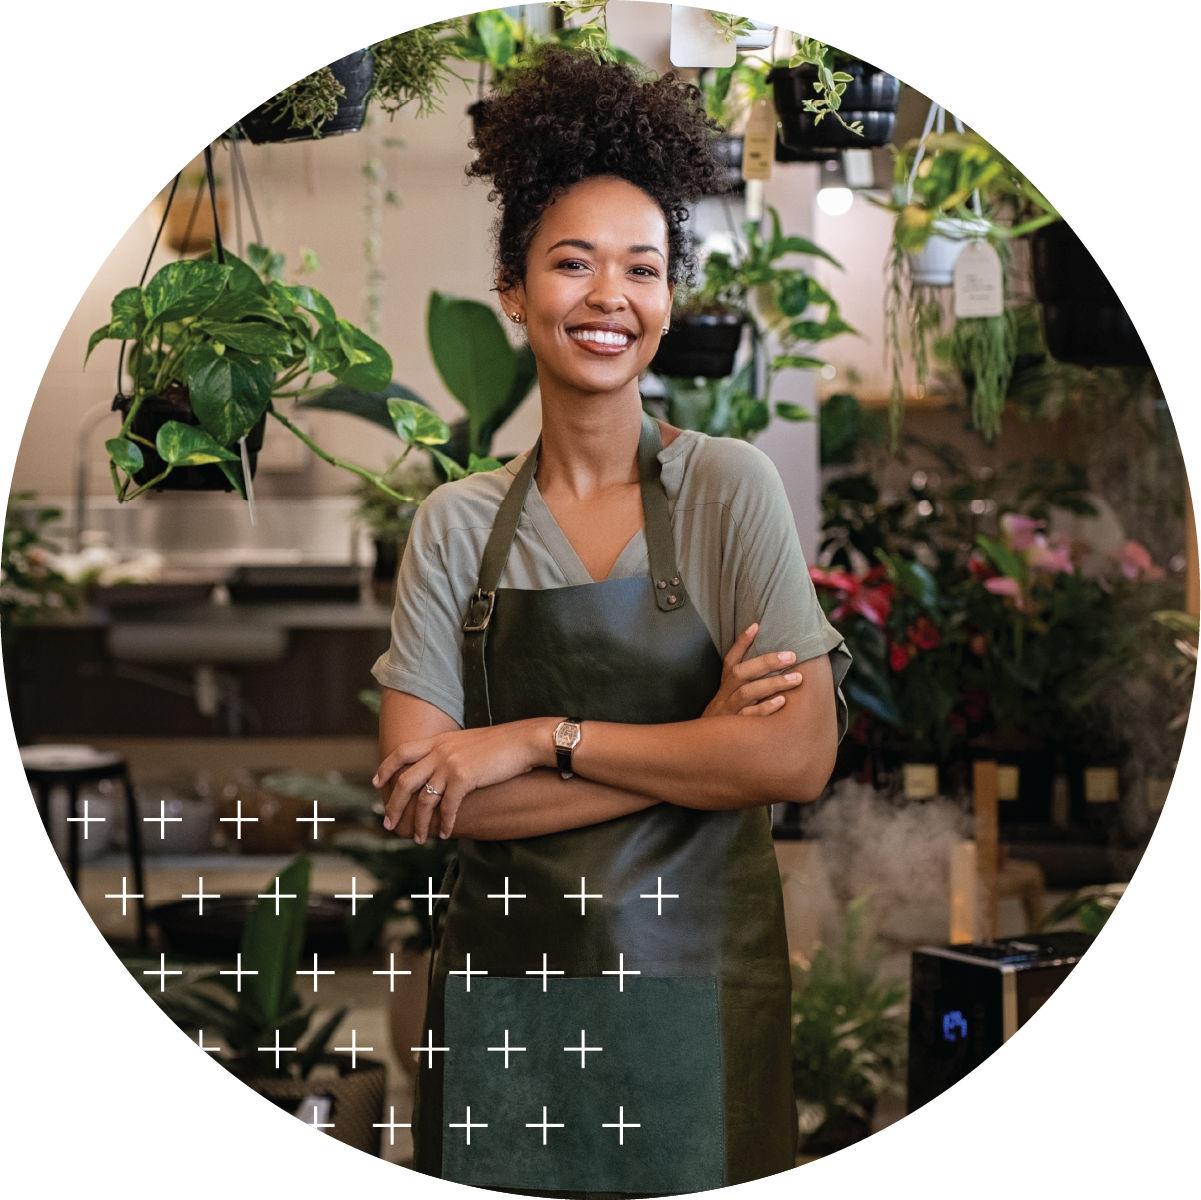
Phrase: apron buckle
[479,612]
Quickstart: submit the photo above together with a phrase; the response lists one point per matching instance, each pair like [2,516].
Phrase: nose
[607,293]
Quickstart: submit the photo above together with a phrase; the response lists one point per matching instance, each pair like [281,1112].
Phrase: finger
[427,803]
[397,760]
[764,708]
[761,689]
[449,810]
[742,643]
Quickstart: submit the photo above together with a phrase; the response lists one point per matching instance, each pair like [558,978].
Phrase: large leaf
[228,393]
[181,445]
[369,365]
[184,289]
[271,946]
[251,337]
[299,295]
[240,305]
[415,424]
[126,454]
[473,356]
[371,406]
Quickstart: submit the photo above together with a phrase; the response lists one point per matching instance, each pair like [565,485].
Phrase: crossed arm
[499,782]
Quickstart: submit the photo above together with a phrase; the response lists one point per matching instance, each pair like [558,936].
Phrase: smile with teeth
[601,337]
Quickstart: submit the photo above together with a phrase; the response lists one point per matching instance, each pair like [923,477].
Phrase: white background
[105,102]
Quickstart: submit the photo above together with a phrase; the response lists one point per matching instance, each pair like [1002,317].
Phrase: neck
[591,443]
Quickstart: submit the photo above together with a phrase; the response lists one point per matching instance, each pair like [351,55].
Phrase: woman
[609,1000]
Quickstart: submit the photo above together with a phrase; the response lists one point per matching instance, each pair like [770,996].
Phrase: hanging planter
[699,345]
[1084,322]
[331,100]
[934,264]
[869,100]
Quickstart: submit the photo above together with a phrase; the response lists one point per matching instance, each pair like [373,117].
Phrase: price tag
[919,780]
[759,141]
[696,40]
[1007,781]
[979,289]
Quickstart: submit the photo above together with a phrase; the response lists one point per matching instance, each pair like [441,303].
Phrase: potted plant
[748,288]
[829,100]
[949,189]
[848,1038]
[214,346]
[388,520]
[245,1014]
[408,68]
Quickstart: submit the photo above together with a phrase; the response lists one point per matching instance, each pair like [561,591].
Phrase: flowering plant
[29,580]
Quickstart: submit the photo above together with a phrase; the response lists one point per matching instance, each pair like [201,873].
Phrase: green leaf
[251,337]
[241,305]
[264,261]
[473,356]
[497,36]
[415,424]
[126,454]
[228,393]
[300,295]
[271,946]
[369,365]
[793,412]
[128,314]
[450,468]
[801,361]
[370,406]
[181,445]
[184,289]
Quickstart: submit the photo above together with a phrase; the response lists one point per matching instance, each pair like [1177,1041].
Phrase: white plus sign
[314,819]
[621,972]
[429,1049]
[468,1124]
[124,895]
[316,1122]
[621,1125]
[206,1049]
[238,820]
[277,1049]
[239,972]
[506,1049]
[162,972]
[430,895]
[544,972]
[354,1048]
[392,972]
[506,895]
[468,972]
[658,896]
[314,972]
[200,895]
[88,820]
[354,896]
[161,820]
[277,896]
[391,1125]
[583,1049]
[582,896]
[544,1124]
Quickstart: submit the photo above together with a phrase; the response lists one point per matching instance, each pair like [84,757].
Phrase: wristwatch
[567,738]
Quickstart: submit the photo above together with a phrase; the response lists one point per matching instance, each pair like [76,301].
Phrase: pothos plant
[955,183]
[784,303]
[229,341]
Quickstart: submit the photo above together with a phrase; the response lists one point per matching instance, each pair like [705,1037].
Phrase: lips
[602,339]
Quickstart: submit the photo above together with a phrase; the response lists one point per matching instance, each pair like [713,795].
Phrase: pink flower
[1135,562]
[1019,530]
[1003,585]
[1044,557]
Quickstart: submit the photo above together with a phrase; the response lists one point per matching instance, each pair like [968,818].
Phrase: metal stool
[70,767]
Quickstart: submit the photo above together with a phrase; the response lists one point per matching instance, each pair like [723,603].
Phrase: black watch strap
[563,753]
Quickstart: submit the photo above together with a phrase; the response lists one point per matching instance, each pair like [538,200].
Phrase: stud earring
[665,329]
[515,318]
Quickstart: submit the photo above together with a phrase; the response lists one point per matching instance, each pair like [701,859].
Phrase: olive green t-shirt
[735,539]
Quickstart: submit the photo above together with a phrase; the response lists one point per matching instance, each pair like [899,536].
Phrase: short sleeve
[423,657]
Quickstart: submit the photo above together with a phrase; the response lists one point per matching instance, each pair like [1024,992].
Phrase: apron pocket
[643,1114]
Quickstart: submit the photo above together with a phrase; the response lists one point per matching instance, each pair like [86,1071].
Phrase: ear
[512,298]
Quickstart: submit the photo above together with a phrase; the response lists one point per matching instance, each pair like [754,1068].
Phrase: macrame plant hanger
[936,121]
[241,186]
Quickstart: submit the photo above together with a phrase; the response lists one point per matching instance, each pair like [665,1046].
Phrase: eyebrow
[580,244]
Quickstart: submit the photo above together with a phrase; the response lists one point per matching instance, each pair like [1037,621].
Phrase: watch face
[567,735]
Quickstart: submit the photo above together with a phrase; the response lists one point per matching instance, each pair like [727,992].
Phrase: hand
[749,686]
[430,777]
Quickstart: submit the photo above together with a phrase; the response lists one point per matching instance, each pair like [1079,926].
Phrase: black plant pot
[1084,322]
[871,98]
[354,72]
[218,932]
[173,405]
[699,344]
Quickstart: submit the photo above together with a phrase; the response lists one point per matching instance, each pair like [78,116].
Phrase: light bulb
[835,201]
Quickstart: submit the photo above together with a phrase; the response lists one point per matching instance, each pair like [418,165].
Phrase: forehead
[604,209]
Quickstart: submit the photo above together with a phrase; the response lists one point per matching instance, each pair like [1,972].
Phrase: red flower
[867,597]
[898,656]
[924,634]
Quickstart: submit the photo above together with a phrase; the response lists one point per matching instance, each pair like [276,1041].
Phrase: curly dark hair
[567,117]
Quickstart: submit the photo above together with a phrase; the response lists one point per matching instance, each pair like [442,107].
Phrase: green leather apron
[631,1033]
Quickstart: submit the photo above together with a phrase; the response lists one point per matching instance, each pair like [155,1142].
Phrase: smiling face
[595,296]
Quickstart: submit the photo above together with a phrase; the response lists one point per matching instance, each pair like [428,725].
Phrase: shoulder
[701,469]
[464,504]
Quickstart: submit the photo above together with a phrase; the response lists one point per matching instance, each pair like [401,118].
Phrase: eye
[572,264]
[645,272]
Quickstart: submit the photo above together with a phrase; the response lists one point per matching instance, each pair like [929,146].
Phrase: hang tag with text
[979,289]
[759,141]
[696,40]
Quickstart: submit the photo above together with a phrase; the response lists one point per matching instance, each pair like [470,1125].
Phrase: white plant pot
[934,264]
